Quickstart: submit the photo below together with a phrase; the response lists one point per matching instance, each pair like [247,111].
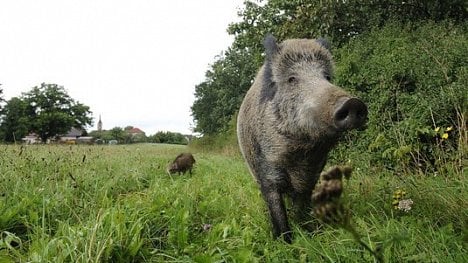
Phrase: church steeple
[99,124]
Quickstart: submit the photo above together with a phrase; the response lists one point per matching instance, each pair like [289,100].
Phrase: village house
[31,138]
[136,132]
[74,136]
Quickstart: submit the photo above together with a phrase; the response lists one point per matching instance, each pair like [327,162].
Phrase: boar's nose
[351,114]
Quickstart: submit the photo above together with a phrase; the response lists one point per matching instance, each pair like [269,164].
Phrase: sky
[132,62]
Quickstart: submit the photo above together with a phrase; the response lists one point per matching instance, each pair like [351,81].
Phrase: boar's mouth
[350,114]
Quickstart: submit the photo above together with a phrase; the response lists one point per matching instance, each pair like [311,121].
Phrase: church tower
[99,124]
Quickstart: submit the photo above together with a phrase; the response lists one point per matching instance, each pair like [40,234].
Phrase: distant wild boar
[182,163]
[290,119]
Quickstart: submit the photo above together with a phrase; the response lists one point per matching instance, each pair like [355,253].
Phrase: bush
[413,78]
[223,142]
[168,137]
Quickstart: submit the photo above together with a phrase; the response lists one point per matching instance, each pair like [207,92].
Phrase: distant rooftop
[135,130]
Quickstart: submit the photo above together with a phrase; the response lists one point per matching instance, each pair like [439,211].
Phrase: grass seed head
[326,198]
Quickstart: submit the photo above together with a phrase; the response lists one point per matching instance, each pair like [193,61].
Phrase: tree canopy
[339,21]
[46,110]
[15,122]
[168,137]
[220,95]
[124,135]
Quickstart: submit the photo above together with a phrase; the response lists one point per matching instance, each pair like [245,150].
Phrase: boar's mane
[302,50]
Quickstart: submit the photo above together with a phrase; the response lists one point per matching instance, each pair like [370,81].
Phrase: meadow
[117,204]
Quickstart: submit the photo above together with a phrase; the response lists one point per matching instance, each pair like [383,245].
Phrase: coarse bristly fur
[182,163]
[287,124]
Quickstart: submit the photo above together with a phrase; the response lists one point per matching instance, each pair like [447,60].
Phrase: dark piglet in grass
[182,163]
[290,119]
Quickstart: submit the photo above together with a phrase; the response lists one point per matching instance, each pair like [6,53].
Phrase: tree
[136,138]
[15,122]
[168,137]
[51,111]
[117,133]
[339,20]
[1,98]
[219,96]
[104,135]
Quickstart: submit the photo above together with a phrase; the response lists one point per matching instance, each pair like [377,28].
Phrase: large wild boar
[290,119]
[182,163]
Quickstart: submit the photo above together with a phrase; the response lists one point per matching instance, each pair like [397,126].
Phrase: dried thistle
[326,197]
[329,208]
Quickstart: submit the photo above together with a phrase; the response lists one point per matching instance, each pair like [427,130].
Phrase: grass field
[117,204]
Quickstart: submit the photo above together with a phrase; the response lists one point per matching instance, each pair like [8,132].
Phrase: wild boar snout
[351,113]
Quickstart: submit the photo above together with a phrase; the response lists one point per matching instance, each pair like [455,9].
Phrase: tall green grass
[117,204]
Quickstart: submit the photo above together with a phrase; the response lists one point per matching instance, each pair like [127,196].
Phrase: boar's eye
[292,80]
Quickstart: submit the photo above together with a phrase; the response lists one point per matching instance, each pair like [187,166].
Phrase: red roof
[135,130]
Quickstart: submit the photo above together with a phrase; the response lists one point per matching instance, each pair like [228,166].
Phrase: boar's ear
[323,42]
[269,88]
[271,47]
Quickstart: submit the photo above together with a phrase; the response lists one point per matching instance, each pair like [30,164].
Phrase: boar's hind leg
[278,215]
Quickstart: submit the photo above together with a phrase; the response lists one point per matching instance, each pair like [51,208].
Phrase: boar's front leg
[274,199]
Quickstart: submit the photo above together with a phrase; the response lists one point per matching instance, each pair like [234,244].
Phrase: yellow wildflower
[445,136]
[449,129]
[398,195]
[437,129]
